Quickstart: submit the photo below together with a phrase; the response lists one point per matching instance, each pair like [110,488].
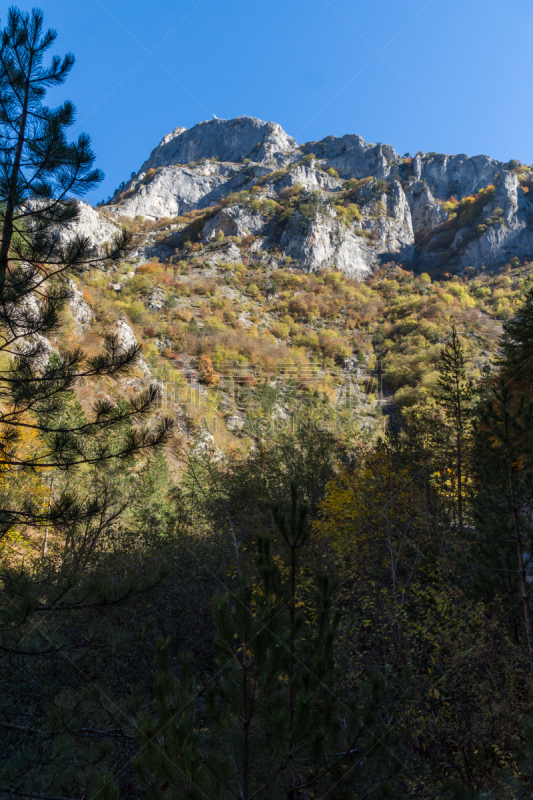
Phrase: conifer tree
[504,496]
[455,395]
[41,175]
[276,723]
[516,346]
[49,606]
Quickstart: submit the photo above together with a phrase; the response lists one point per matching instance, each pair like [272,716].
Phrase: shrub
[280,330]
[381,186]
[214,325]
[354,184]
[135,311]
[141,283]
[207,371]
[332,345]
[291,191]
[308,340]
[347,214]
[288,320]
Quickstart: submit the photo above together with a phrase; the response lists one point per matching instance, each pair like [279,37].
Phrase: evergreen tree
[151,514]
[276,722]
[503,542]
[455,395]
[41,173]
[516,346]
[53,609]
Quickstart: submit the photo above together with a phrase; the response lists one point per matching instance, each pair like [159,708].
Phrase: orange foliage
[207,371]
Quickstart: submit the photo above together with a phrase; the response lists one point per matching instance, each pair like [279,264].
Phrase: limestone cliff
[338,202]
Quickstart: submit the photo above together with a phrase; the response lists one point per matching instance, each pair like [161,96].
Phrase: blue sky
[449,76]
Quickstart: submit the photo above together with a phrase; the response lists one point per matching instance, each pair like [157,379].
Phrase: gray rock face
[456,176]
[352,157]
[357,248]
[513,236]
[503,231]
[79,308]
[234,221]
[425,210]
[227,140]
[125,336]
[92,224]
[401,201]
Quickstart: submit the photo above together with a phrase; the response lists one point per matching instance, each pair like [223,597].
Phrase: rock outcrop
[226,140]
[92,224]
[125,336]
[338,202]
[79,308]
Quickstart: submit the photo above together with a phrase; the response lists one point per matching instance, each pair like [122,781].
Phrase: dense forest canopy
[281,548]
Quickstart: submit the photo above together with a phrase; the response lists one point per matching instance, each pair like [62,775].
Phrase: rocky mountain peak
[338,202]
[223,139]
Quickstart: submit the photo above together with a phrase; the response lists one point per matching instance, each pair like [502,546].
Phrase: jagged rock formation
[338,202]
[125,336]
[79,309]
[91,224]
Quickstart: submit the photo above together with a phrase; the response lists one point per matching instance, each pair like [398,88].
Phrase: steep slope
[339,202]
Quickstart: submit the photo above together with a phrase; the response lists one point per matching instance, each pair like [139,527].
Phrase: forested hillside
[266,465]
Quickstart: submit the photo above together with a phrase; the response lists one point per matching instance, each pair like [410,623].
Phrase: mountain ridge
[431,212]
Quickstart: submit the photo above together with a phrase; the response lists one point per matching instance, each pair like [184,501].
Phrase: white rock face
[310,179]
[174,190]
[33,346]
[125,335]
[324,243]
[234,221]
[93,224]
[227,140]
[227,255]
[79,308]
[402,200]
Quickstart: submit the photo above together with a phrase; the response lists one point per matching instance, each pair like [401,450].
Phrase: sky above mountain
[444,76]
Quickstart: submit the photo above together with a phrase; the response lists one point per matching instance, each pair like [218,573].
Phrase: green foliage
[455,396]
[517,344]
[384,620]
[273,719]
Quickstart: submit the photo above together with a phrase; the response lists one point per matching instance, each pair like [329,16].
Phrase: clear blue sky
[450,76]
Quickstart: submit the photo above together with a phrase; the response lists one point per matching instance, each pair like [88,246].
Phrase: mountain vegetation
[265,524]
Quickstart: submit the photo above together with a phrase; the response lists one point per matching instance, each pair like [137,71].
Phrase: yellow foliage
[373,509]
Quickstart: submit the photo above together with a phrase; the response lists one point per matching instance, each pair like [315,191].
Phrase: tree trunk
[519,550]
[7,229]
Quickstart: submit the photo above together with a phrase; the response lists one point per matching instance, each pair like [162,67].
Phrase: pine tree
[516,346]
[53,610]
[41,173]
[275,722]
[503,542]
[151,515]
[455,395]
